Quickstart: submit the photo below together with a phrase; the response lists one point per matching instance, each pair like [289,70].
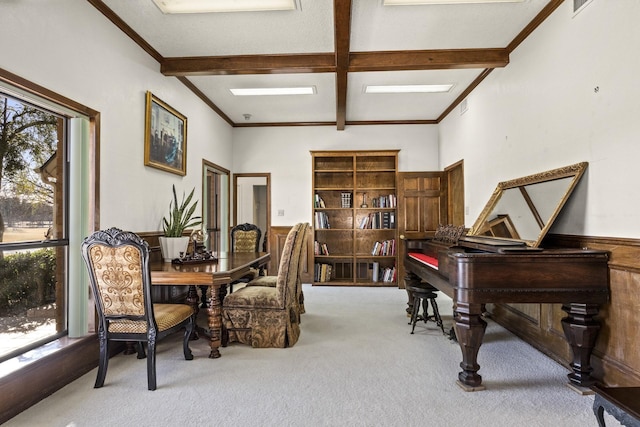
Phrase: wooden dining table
[217,275]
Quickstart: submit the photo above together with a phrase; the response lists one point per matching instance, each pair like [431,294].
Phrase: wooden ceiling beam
[248,64]
[329,62]
[342,28]
[428,59]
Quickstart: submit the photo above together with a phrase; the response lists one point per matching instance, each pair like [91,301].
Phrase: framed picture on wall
[165,137]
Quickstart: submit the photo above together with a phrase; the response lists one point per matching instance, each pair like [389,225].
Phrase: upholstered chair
[268,316]
[246,238]
[270,281]
[120,278]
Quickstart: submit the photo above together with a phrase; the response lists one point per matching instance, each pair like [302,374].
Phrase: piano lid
[521,211]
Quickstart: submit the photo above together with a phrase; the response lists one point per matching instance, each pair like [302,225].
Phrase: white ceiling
[374,28]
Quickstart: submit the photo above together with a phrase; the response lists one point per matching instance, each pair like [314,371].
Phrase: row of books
[322,220]
[387,274]
[322,272]
[346,201]
[320,248]
[378,220]
[388,201]
[384,248]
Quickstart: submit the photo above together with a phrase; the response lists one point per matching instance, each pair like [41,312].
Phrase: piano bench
[422,294]
[623,403]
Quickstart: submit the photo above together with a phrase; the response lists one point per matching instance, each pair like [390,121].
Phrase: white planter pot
[172,246]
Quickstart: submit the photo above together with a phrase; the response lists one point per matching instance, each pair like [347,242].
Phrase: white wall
[538,113]
[72,49]
[542,111]
[284,152]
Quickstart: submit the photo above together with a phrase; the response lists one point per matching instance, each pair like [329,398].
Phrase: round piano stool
[423,294]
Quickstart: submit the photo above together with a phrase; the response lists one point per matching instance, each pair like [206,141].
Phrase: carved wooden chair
[118,266]
[268,316]
[246,238]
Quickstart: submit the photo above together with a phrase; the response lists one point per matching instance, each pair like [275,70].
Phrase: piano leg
[470,328]
[411,279]
[581,330]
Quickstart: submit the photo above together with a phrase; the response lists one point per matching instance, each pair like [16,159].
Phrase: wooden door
[455,192]
[422,206]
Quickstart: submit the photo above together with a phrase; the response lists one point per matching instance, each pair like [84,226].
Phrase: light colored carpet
[356,364]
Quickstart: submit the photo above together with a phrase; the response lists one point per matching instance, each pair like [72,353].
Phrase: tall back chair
[118,266]
[268,316]
[246,238]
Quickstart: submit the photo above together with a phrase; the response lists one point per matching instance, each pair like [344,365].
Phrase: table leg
[470,328]
[215,319]
[581,330]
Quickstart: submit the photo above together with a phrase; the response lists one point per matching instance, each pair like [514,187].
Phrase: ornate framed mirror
[524,209]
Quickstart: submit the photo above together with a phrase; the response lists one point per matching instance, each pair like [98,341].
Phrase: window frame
[40,97]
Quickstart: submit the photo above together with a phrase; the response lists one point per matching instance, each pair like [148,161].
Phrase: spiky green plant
[180,215]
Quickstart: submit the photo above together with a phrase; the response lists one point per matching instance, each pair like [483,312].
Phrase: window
[35,197]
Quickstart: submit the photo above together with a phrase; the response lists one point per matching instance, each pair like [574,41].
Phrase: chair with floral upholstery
[246,238]
[270,281]
[268,316]
[118,266]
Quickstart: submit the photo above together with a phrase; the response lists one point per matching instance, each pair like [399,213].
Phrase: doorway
[215,207]
[252,202]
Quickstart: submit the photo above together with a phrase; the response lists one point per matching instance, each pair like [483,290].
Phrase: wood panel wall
[616,357]
[277,237]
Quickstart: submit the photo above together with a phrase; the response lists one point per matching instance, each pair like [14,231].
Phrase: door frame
[267,176]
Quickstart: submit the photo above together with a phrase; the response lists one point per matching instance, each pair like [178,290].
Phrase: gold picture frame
[525,208]
[165,137]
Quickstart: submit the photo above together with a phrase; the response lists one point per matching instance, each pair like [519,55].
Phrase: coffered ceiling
[338,47]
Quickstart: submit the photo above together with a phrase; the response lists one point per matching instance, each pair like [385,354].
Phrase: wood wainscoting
[616,359]
[277,236]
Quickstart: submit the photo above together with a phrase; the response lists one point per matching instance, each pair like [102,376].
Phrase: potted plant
[180,218]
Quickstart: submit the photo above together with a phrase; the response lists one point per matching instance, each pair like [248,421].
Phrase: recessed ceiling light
[422,2]
[407,88]
[260,91]
[206,6]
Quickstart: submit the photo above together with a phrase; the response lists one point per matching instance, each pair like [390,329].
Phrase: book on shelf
[322,272]
[384,248]
[320,248]
[319,202]
[389,274]
[378,221]
[376,271]
[385,201]
[386,217]
[322,220]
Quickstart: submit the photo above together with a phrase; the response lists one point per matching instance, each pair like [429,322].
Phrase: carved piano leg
[581,330]
[409,280]
[470,328]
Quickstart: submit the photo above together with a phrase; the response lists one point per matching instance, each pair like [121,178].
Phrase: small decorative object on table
[194,258]
[200,254]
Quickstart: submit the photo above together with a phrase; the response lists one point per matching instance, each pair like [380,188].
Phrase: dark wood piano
[494,265]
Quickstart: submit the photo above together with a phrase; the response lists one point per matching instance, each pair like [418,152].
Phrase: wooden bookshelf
[354,218]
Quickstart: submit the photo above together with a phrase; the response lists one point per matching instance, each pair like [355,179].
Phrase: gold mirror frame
[488,221]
